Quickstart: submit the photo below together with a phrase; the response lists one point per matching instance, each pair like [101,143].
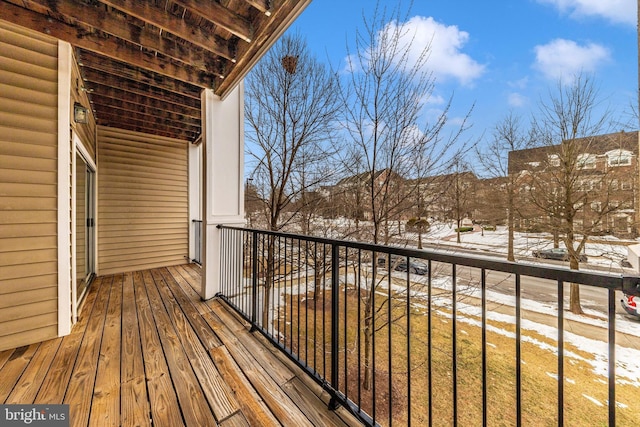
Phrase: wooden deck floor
[148,351]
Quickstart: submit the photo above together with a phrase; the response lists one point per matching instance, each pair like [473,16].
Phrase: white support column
[64,188]
[223,172]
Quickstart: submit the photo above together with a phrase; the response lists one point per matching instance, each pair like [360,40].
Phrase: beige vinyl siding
[142,201]
[28,187]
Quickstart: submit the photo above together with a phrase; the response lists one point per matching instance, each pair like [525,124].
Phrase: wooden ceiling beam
[117,121]
[219,15]
[263,6]
[150,121]
[110,86]
[106,46]
[97,17]
[158,17]
[174,115]
[93,80]
[144,102]
[267,31]
[95,66]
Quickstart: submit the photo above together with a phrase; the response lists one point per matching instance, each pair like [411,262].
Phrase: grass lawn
[304,325]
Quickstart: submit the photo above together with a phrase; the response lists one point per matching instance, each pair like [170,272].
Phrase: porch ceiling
[144,64]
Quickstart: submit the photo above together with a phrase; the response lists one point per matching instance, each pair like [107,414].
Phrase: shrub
[465,229]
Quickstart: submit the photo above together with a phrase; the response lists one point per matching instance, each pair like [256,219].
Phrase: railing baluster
[518,354]
[254,278]
[430,344]
[454,337]
[612,357]
[483,286]
[408,308]
[560,353]
[346,289]
[358,326]
[335,278]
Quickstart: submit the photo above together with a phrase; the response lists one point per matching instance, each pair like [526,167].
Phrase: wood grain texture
[141,355]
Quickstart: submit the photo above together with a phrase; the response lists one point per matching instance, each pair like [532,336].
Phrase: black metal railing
[197,239]
[401,336]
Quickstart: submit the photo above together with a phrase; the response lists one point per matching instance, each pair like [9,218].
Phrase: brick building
[600,174]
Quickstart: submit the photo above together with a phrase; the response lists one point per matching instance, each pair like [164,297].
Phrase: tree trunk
[510,254]
[574,290]
[574,299]
[268,282]
[368,344]
[419,237]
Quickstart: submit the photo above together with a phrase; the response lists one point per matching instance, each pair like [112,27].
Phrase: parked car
[399,263]
[630,304]
[556,253]
[414,267]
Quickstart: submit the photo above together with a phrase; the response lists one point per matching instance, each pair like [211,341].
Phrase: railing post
[254,279]
[335,279]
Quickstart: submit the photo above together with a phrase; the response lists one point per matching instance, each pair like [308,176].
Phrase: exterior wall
[28,187]
[142,219]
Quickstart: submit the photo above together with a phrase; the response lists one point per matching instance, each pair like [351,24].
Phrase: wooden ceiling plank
[141,101]
[95,67]
[100,19]
[101,88]
[151,121]
[176,26]
[129,107]
[106,46]
[145,127]
[219,15]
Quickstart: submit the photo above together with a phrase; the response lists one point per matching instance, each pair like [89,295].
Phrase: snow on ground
[605,251]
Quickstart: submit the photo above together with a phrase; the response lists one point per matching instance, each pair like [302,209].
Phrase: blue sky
[501,55]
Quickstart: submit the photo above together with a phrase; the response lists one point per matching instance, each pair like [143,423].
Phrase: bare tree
[567,126]
[384,96]
[508,135]
[290,109]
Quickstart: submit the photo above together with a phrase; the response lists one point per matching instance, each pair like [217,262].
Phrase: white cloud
[446,59]
[519,84]
[616,11]
[562,58]
[517,99]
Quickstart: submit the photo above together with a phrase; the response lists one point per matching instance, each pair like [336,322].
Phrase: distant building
[605,177]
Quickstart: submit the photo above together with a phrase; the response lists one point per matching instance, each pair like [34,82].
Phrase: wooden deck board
[105,407]
[148,351]
[134,402]
[80,389]
[33,376]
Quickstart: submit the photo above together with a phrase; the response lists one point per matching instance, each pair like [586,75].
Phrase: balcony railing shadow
[401,336]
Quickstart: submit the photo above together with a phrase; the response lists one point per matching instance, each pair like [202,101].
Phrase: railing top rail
[602,280]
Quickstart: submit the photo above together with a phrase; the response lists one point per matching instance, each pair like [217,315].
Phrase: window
[619,157]
[554,160]
[596,206]
[614,184]
[586,161]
